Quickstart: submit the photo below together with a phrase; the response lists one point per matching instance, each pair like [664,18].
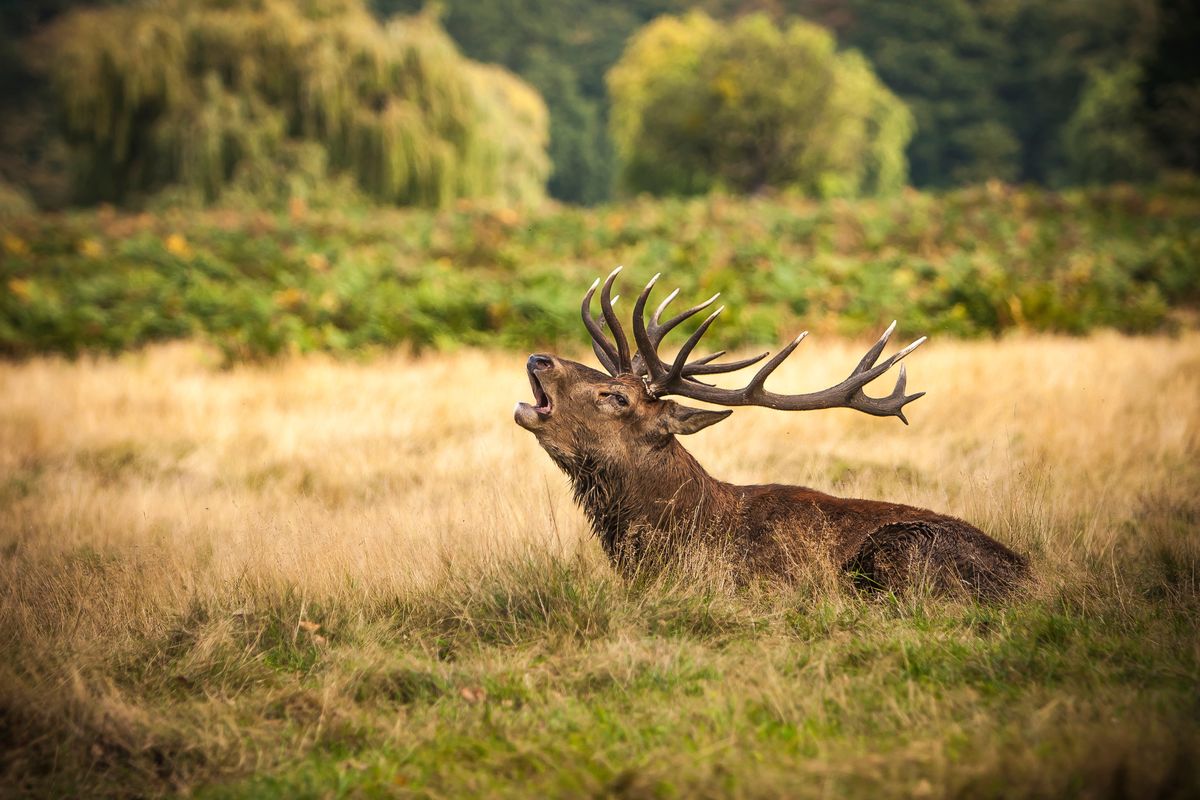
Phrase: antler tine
[663,306]
[897,397]
[659,330]
[623,362]
[648,340]
[603,357]
[862,376]
[709,358]
[603,349]
[756,383]
[653,367]
[701,366]
[681,357]
[846,394]
[893,404]
[872,355]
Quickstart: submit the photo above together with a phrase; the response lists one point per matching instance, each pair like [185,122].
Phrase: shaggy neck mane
[669,492]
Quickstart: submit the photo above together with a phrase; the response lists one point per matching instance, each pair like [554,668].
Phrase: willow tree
[212,94]
[697,105]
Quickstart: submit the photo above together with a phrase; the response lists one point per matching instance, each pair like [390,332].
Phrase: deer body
[646,495]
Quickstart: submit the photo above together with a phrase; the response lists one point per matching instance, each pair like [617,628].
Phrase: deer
[615,435]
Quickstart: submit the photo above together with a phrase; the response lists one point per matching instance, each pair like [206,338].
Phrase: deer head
[625,412]
[579,407]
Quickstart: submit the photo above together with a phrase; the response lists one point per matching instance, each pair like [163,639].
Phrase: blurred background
[280,176]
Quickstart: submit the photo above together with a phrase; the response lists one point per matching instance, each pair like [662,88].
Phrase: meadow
[320,577]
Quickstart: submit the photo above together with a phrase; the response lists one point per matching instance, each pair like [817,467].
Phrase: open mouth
[539,395]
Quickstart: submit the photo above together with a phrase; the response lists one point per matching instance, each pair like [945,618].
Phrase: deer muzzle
[530,416]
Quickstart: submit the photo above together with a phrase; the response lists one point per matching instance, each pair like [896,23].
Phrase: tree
[579,145]
[1171,86]
[1052,53]
[1104,140]
[211,96]
[993,83]
[697,106]
[563,48]
[942,62]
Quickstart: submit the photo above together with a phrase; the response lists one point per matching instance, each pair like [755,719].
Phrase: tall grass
[326,578]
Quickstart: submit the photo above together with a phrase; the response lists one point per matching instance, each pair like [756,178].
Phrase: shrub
[969,263]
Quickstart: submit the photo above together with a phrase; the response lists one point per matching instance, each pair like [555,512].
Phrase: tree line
[1054,93]
[212,99]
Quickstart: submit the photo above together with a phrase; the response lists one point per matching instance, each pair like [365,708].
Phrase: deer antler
[614,357]
[677,378]
[649,338]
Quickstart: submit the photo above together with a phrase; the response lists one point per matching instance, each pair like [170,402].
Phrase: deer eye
[617,397]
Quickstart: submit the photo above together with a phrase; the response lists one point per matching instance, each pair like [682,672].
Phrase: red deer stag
[614,437]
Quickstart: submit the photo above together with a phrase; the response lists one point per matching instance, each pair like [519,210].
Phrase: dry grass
[364,578]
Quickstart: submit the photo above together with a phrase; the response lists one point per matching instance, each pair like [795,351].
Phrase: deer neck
[665,490]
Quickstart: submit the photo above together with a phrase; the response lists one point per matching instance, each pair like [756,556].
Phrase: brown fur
[638,486]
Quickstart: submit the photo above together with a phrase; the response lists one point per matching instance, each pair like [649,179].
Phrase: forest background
[1016,90]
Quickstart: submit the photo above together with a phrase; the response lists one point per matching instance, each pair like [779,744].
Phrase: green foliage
[993,89]
[214,97]
[1104,141]
[942,60]
[993,85]
[579,145]
[14,201]
[1171,89]
[563,48]
[1050,53]
[698,106]
[969,263]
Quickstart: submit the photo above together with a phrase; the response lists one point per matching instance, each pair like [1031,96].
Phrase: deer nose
[539,362]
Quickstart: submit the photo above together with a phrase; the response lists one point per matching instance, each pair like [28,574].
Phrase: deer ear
[682,420]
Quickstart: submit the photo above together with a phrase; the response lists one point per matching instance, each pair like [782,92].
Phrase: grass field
[323,578]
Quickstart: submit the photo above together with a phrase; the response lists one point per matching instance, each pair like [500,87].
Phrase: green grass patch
[572,682]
